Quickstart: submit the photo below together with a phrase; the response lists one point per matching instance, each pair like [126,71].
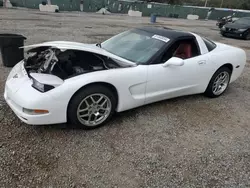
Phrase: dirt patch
[248,64]
[24,19]
[50,26]
[51,14]
[115,26]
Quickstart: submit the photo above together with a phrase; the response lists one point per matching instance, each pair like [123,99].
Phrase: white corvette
[86,83]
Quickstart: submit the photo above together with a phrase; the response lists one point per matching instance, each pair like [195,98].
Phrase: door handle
[202,62]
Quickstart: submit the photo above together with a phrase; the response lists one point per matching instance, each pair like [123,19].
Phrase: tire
[223,34]
[84,101]
[247,36]
[214,82]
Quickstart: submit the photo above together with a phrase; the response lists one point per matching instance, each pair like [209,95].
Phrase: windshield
[135,45]
[243,21]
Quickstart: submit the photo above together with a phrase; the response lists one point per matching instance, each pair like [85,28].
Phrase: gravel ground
[185,142]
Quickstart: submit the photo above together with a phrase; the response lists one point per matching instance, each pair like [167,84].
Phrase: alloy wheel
[94,109]
[220,83]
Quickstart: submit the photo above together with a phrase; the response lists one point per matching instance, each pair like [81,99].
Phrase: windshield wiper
[99,45]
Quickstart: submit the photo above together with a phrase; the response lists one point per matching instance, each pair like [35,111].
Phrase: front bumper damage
[19,95]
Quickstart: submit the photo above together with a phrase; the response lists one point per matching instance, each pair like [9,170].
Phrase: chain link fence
[123,6]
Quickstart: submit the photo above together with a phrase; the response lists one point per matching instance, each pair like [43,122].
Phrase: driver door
[173,81]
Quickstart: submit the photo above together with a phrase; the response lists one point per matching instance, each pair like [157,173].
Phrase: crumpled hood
[65,45]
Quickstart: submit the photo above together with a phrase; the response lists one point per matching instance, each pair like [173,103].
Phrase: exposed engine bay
[66,64]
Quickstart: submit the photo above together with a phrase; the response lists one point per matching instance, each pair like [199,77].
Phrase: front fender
[130,84]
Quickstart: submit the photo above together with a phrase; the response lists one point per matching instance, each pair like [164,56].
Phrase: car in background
[239,29]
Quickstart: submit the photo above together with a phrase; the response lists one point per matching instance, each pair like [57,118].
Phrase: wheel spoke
[218,88]
[224,76]
[220,82]
[105,109]
[99,100]
[225,79]
[215,89]
[93,100]
[87,103]
[217,80]
[89,119]
[84,115]
[95,119]
[82,110]
[103,103]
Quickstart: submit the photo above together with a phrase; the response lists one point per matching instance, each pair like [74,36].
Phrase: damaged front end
[50,63]
[68,63]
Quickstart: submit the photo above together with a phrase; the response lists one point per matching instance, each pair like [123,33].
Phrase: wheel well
[108,85]
[228,65]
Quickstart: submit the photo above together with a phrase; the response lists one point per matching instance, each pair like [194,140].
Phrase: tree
[246,5]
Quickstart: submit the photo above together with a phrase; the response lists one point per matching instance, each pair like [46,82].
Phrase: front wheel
[219,82]
[223,34]
[92,107]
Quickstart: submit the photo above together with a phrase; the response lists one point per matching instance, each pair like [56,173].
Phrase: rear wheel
[92,107]
[247,36]
[219,82]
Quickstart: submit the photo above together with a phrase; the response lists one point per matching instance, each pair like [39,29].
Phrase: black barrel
[10,51]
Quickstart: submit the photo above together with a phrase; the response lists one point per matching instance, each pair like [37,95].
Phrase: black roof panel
[166,32]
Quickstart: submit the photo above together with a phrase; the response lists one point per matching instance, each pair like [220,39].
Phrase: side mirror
[175,61]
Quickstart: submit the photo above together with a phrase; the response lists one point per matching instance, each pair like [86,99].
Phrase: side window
[210,45]
[183,49]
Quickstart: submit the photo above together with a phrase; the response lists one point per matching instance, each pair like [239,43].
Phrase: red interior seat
[184,51]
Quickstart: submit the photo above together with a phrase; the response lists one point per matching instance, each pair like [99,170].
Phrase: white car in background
[84,84]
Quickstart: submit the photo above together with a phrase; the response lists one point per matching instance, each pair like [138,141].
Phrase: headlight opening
[41,87]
